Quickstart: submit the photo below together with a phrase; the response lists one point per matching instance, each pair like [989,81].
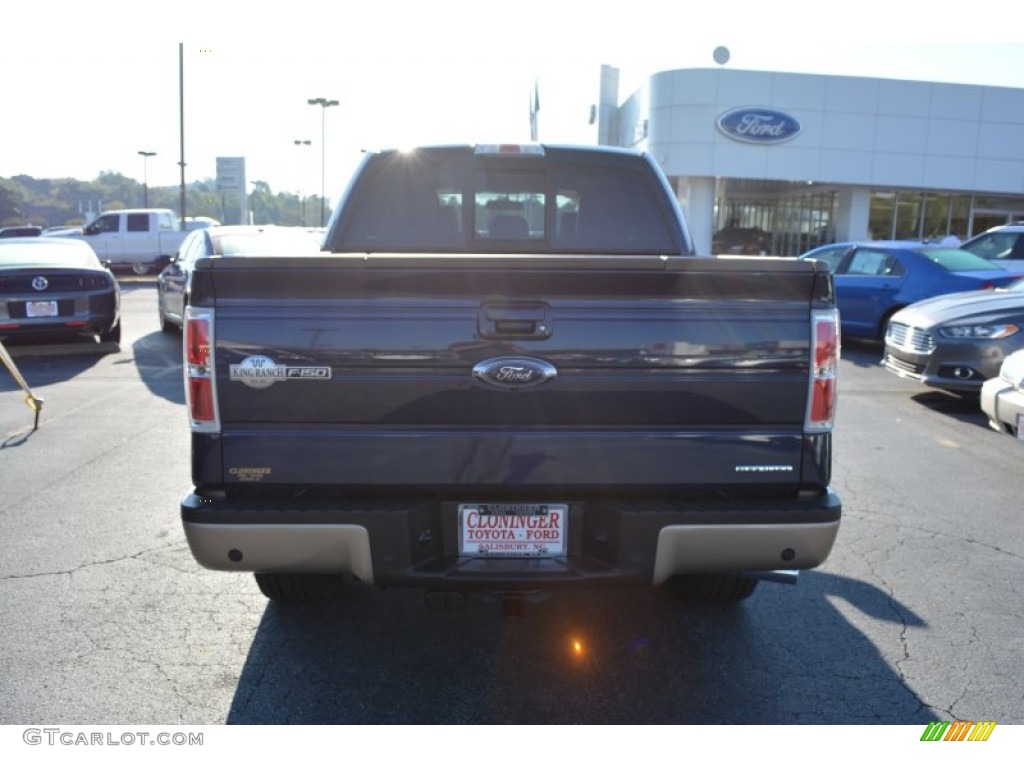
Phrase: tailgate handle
[530,321]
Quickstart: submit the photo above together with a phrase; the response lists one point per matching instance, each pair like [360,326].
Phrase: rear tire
[712,587]
[114,334]
[298,588]
[140,269]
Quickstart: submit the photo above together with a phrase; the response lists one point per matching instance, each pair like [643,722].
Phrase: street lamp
[323,104]
[302,181]
[145,177]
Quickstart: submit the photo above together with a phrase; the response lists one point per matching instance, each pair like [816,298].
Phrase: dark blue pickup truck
[508,372]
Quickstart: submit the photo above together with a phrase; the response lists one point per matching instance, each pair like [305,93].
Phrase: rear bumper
[414,543]
[57,331]
[84,314]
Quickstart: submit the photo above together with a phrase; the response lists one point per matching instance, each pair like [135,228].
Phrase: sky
[89,86]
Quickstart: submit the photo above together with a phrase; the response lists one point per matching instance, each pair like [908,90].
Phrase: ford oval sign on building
[757,125]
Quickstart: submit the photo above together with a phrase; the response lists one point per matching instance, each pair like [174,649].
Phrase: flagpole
[534,109]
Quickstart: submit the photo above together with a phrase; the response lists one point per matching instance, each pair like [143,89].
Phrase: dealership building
[777,163]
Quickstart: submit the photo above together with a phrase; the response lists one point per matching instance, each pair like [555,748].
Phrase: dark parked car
[956,341]
[875,279]
[732,241]
[218,241]
[27,230]
[55,287]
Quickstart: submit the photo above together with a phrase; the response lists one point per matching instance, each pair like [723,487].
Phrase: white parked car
[1003,246]
[1002,398]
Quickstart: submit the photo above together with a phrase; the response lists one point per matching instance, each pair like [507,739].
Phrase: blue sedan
[875,279]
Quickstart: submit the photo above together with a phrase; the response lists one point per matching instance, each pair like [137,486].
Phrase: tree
[10,205]
[52,202]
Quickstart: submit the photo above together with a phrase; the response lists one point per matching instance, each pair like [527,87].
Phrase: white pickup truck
[142,239]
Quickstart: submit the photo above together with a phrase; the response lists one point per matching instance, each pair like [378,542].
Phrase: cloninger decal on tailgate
[260,372]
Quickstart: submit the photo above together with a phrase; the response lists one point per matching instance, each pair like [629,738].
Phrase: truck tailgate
[359,371]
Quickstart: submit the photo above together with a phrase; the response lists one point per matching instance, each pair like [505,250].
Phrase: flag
[534,109]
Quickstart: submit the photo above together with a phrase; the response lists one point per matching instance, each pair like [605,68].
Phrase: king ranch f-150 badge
[260,372]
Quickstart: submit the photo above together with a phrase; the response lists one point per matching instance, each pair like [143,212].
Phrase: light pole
[145,177]
[323,104]
[302,181]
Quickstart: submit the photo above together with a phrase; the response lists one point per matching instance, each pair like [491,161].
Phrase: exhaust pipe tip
[781,577]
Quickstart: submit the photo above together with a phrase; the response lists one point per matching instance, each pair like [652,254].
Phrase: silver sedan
[957,341]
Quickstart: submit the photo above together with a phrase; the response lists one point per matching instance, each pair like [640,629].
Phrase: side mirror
[90,230]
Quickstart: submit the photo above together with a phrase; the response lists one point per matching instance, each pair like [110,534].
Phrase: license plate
[512,530]
[40,309]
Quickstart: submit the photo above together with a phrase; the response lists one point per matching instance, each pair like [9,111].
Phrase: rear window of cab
[426,201]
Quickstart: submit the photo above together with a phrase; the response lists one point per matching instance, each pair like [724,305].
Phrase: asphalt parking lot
[106,618]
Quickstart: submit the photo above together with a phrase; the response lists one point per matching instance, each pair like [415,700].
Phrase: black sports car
[56,287]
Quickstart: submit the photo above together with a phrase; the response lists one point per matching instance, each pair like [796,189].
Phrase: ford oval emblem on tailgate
[513,372]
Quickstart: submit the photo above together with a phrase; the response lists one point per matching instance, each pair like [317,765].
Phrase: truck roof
[138,210]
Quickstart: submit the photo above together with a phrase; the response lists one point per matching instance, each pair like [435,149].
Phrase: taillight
[821,408]
[200,378]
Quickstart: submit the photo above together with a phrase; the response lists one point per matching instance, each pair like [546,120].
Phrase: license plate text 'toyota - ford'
[512,530]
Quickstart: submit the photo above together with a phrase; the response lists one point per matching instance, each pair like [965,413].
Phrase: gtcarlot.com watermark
[59,736]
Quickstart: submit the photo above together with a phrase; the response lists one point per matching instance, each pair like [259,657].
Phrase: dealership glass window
[959,216]
[943,214]
[908,216]
[990,211]
[1012,205]
[775,218]
[882,215]
[933,215]
[818,223]
[804,222]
